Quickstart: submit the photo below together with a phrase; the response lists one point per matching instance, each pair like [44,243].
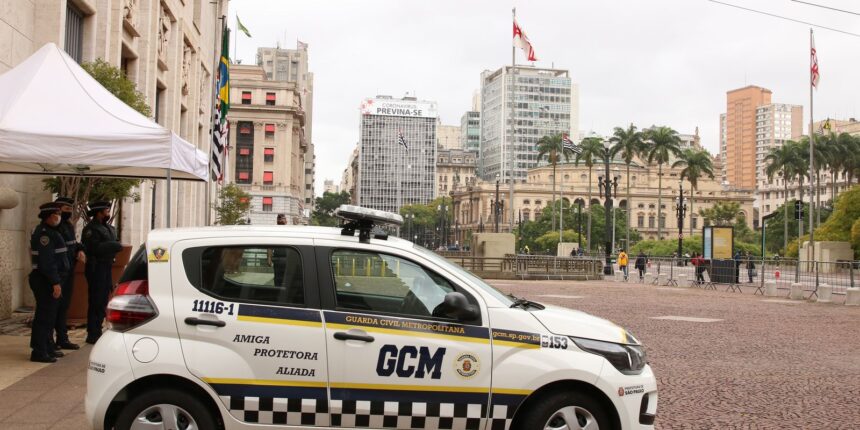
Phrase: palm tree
[783,160]
[553,149]
[591,149]
[696,163]
[628,142]
[662,144]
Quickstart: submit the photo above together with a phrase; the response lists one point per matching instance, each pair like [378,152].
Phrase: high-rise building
[269,144]
[350,173]
[448,136]
[291,65]
[470,131]
[397,153]
[776,124]
[330,187]
[547,103]
[739,135]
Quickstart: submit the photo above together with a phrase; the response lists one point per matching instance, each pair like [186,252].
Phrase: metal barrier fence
[530,266]
[752,272]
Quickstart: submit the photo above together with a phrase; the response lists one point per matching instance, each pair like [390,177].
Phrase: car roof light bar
[364,220]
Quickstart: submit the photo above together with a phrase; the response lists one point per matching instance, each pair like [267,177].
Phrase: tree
[233,206]
[841,221]
[552,148]
[530,231]
[591,149]
[325,206]
[88,188]
[721,214]
[696,164]
[778,239]
[662,143]
[783,160]
[627,142]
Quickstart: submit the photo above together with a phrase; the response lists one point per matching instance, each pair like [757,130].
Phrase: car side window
[376,282]
[253,273]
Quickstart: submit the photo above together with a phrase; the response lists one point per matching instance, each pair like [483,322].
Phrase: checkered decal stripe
[406,415]
[366,413]
[278,410]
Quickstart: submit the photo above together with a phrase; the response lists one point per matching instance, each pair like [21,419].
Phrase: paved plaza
[723,360]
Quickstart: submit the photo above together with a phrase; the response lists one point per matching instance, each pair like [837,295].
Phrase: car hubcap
[164,417]
[571,418]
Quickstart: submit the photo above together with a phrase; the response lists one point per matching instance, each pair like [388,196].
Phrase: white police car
[274,327]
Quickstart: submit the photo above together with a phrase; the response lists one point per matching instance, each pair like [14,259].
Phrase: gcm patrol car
[280,327]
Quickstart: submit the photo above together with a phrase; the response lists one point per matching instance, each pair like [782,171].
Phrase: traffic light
[798,210]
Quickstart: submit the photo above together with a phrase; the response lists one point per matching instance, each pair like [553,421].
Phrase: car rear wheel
[165,410]
[564,410]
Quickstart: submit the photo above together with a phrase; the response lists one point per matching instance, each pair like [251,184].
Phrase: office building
[397,153]
[546,103]
[268,144]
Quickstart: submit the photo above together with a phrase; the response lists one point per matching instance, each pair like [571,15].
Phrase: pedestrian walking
[74,253]
[622,263]
[751,272]
[640,263]
[699,263]
[101,246]
[50,268]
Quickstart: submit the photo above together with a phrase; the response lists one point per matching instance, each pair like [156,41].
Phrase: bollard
[852,297]
[825,293]
[682,280]
[796,291]
[649,277]
[770,289]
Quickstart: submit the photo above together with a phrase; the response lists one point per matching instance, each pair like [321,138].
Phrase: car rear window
[137,268]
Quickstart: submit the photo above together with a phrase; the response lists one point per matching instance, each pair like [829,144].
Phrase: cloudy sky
[666,62]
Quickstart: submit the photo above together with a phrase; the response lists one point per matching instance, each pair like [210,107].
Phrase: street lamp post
[496,205]
[680,210]
[607,184]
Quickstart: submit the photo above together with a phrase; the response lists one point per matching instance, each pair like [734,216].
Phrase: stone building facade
[168,49]
[473,202]
[454,167]
[268,145]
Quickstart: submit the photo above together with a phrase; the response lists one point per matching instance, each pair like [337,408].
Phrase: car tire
[160,406]
[564,410]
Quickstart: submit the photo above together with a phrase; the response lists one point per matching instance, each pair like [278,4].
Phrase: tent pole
[167,216]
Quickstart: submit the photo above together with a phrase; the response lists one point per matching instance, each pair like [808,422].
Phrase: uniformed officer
[50,268]
[75,253]
[101,245]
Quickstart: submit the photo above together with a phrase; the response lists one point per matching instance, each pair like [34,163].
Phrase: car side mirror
[456,305]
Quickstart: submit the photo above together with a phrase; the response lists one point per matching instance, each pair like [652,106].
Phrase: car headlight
[628,359]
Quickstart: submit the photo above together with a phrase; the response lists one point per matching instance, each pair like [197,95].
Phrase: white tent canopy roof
[55,119]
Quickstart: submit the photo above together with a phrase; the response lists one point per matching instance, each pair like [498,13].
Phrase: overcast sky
[665,62]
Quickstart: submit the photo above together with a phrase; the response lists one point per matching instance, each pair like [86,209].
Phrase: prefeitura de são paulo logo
[467,365]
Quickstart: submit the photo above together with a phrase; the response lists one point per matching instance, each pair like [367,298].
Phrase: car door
[248,317]
[392,363]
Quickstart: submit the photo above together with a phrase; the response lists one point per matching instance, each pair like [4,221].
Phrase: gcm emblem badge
[467,365]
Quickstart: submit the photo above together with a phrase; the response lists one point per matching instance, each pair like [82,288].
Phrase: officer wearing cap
[101,245]
[50,268]
[75,252]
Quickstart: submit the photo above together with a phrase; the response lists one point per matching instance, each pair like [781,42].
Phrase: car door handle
[201,321]
[342,335]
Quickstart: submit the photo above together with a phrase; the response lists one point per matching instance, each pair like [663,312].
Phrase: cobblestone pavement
[769,363]
[764,365]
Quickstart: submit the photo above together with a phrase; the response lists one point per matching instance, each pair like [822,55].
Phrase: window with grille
[269,155]
[246,97]
[74,32]
[270,130]
[267,204]
[270,99]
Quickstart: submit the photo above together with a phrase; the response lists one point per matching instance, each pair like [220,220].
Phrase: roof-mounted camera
[365,220]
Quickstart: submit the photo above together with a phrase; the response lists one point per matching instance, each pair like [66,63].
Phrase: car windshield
[505,299]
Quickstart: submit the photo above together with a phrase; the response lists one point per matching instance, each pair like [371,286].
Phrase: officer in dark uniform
[50,268]
[75,252]
[101,245]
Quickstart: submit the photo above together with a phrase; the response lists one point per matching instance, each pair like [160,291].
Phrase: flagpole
[219,22]
[513,126]
[810,252]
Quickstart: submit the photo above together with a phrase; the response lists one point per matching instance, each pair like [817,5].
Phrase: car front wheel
[165,410]
[565,411]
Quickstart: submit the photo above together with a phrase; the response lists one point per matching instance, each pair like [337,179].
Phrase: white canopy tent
[55,119]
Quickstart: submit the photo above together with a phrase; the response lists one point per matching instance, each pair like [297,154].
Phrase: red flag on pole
[813,71]
[522,42]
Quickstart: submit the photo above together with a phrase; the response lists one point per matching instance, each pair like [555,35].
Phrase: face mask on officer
[53,219]
[65,216]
